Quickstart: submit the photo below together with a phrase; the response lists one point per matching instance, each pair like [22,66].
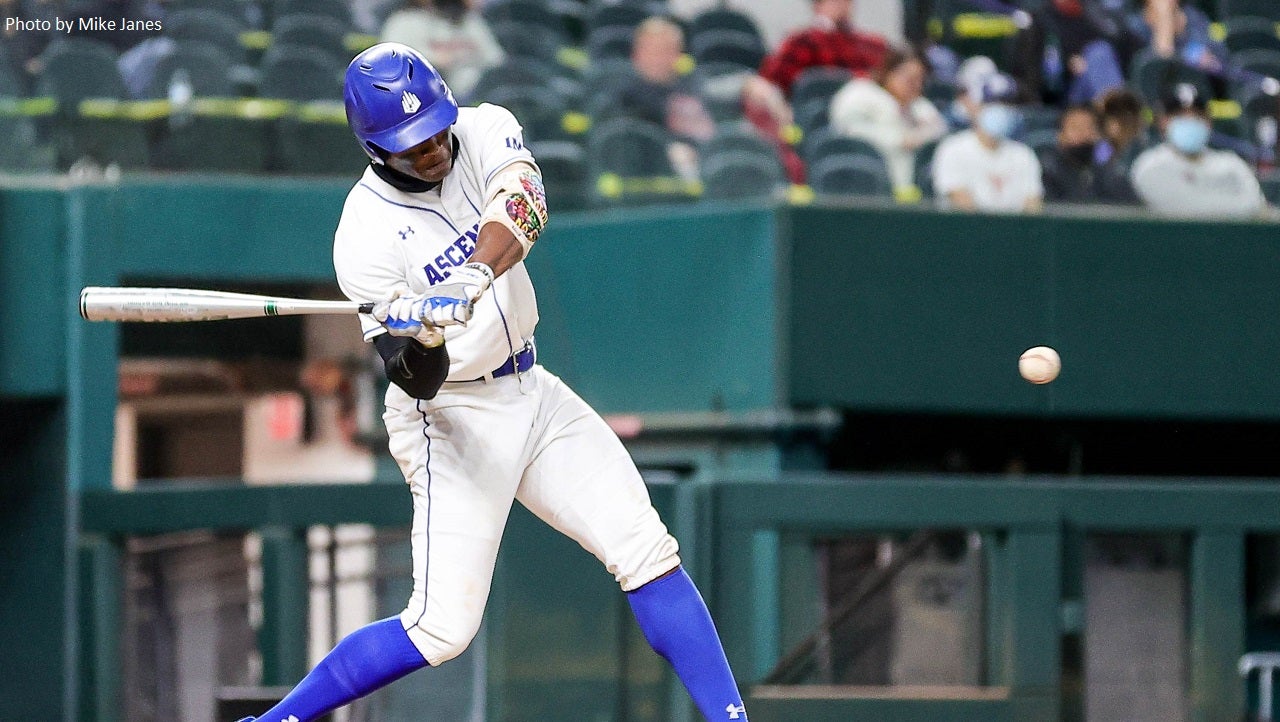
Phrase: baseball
[1039,365]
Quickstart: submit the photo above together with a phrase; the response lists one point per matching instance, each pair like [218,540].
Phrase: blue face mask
[1189,135]
[997,121]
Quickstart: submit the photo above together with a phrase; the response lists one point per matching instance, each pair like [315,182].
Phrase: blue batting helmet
[395,99]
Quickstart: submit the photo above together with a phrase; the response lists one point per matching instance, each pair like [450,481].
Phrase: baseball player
[438,228]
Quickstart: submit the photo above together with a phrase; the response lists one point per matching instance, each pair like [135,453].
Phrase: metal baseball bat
[100,303]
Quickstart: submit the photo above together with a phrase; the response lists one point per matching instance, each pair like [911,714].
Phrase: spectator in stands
[658,92]
[452,35]
[983,169]
[1093,46]
[830,41]
[1172,29]
[891,112]
[1183,176]
[971,76]
[1068,169]
[1124,138]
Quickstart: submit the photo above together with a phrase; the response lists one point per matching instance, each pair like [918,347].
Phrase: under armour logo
[291,718]
[736,711]
[410,103]
[408,231]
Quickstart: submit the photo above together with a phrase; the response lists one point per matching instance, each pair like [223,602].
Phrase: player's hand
[402,316]
[451,303]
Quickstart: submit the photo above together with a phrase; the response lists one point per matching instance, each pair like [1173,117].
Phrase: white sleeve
[1252,201]
[368,267]
[856,112]
[500,143]
[949,173]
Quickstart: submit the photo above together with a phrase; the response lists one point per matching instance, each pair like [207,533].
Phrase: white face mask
[1188,134]
[997,120]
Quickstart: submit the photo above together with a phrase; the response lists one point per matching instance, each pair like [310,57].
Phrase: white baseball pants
[477,446]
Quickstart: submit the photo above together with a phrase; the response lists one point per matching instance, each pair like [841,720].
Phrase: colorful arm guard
[520,204]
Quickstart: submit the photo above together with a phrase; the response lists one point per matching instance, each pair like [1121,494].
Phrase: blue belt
[522,361]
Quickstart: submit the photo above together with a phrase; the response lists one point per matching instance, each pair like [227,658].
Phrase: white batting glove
[402,316]
[451,303]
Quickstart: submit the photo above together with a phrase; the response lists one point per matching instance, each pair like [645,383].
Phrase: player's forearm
[497,248]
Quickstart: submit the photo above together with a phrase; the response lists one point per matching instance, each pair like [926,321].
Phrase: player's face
[428,161]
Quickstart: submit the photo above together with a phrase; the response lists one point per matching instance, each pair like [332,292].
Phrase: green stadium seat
[315,140]
[1268,9]
[850,175]
[309,30]
[540,110]
[923,172]
[564,173]
[207,68]
[294,72]
[610,42]
[1150,74]
[517,41]
[78,68]
[1249,32]
[628,160]
[207,26]
[818,83]
[621,15]
[721,18]
[728,46]
[535,17]
[737,137]
[826,142]
[339,10]
[739,175]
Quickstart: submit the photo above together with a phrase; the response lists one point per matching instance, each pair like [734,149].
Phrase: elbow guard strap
[520,204]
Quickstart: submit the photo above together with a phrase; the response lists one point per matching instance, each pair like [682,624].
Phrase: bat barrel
[184,304]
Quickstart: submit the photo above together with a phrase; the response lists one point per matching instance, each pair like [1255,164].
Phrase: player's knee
[440,643]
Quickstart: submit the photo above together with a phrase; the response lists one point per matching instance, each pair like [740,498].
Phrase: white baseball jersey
[389,239]
[480,444]
[1000,180]
[1218,184]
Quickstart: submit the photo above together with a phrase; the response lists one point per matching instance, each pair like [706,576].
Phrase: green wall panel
[928,312]
[32,289]
[646,310]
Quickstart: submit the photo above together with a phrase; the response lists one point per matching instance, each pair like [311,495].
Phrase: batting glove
[402,316]
[451,303]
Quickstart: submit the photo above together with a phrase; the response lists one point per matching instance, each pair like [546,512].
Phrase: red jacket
[840,46]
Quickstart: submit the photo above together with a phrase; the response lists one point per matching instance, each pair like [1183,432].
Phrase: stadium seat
[721,18]
[850,175]
[728,46]
[738,175]
[627,158]
[540,110]
[1150,74]
[532,15]
[309,30]
[295,72]
[737,137]
[315,140]
[622,15]
[78,71]
[337,9]
[609,42]
[826,142]
[534,73]
[820,83]
[77,68]
[1259,60]
[1268,9]
[813,115]
[1250,32]
[240,10]
[207,67]
[1039,117]
[21,151]
[564,173]
[208,26]
[1041,140]
[518,42]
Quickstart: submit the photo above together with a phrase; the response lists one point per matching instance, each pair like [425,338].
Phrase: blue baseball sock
[370,657]
[678,626]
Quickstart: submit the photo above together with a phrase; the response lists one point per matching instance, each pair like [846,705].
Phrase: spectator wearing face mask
[1184,177]
[1068,168]
[983,168]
